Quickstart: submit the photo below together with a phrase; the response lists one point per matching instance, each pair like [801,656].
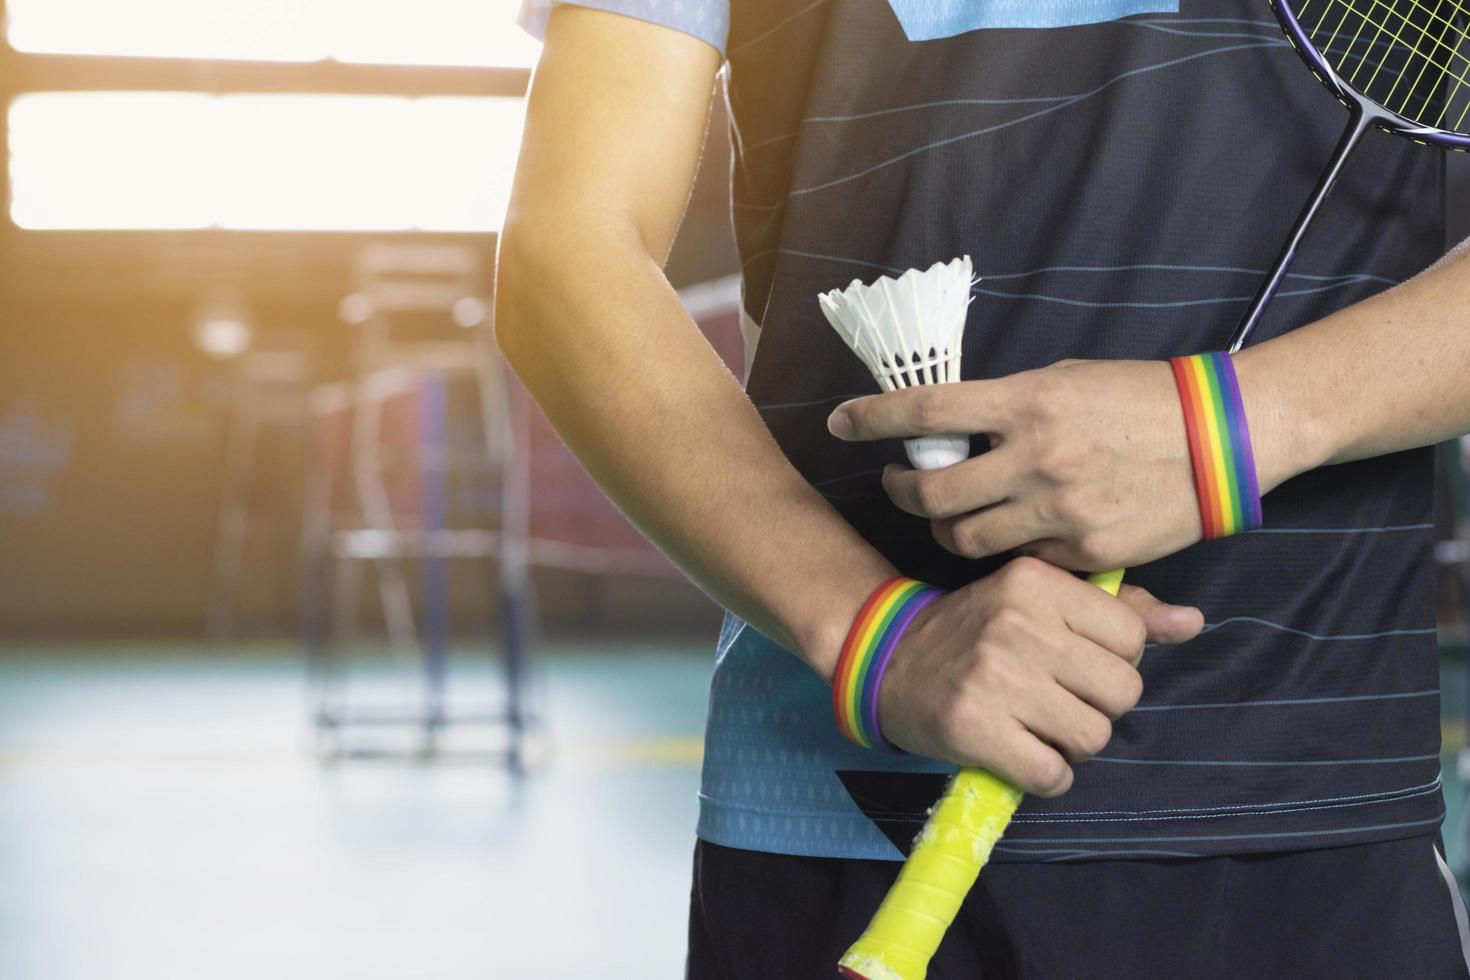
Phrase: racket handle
[954,845]
[932,884]
[1109,582]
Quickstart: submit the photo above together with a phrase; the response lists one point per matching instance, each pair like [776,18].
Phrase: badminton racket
[1397,65]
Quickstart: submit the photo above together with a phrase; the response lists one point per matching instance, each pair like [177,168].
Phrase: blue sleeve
[708,20]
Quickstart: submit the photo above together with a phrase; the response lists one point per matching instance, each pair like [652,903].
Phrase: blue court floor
[163,814]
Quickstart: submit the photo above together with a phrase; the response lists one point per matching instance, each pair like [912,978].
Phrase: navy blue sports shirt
[1122,172]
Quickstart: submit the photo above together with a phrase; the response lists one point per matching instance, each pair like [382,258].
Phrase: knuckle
[1094,735]
[1007,621]
[1060,464]
[1026,571]
[929,409]
[967,540]
[1130,690]
[1048,775]
[931,494]
[1024,576]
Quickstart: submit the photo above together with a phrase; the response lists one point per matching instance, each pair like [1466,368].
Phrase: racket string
[1368,21]
[1427,62]
[1422,23]
[1371,44]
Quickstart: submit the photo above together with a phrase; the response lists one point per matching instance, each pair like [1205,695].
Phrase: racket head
[1400,62]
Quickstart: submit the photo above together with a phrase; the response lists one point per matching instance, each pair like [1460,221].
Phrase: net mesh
[1409,56]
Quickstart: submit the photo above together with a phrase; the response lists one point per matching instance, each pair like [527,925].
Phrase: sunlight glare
[422,32]
[262,162]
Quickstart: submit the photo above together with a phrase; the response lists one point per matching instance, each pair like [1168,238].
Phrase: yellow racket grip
[954,845]
[932,884]
[1109,582]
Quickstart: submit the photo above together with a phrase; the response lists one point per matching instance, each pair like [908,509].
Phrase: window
[155,160]
[424,32]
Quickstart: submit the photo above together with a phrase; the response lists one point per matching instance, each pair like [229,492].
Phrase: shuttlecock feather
[909,331]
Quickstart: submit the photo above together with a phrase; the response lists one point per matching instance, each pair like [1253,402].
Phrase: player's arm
[1091,465]
[1383,375]
[616,121]
[1020,672]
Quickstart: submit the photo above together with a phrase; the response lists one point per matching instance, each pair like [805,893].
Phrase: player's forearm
[602,342]
[1383,375]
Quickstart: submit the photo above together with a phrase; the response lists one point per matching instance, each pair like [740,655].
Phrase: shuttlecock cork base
[909,331]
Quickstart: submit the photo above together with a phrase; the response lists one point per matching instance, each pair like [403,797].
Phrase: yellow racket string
[1446,71]
[1403,10]
[1414,86]
[946,858]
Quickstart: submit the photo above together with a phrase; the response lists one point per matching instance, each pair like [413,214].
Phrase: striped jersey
[1122,172]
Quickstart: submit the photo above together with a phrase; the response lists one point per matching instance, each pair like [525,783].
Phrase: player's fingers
[1093,614]
[1165,623]
[1103,680]
[1076,729]
[926,410]
[1000,528]
[952,490]
[1027,762]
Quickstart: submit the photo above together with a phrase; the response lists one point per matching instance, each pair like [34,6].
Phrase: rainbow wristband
[1219,444]
[866,653]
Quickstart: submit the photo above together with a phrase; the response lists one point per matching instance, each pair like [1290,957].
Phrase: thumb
[1166,623]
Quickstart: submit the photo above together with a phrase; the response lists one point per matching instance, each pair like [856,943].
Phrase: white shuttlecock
[908,331]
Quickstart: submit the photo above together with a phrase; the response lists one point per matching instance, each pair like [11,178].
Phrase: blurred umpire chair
[417,464]
[266,408]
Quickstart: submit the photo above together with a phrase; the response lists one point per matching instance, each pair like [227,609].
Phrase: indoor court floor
[163,814]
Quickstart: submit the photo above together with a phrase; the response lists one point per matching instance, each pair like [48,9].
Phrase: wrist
[825,621]
[867,653]
[1288,436]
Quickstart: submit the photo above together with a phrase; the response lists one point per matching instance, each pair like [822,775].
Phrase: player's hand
[1088,468]
[1023,672]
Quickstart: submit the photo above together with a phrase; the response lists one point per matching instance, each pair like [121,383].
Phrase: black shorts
[1382,910]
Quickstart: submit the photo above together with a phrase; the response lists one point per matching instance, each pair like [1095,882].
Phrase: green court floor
[164,814]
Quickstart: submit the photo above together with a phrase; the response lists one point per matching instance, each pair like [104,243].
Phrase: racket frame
[1375,114]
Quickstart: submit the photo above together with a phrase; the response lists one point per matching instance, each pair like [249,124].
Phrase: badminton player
[1239,778]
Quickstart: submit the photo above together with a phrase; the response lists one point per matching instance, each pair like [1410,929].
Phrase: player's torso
[1121,187]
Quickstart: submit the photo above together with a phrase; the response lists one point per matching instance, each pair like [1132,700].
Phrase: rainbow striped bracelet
[1219,444]
[866,654]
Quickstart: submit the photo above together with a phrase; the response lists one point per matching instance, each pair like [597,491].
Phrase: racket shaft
[954,845]
[1358,124]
